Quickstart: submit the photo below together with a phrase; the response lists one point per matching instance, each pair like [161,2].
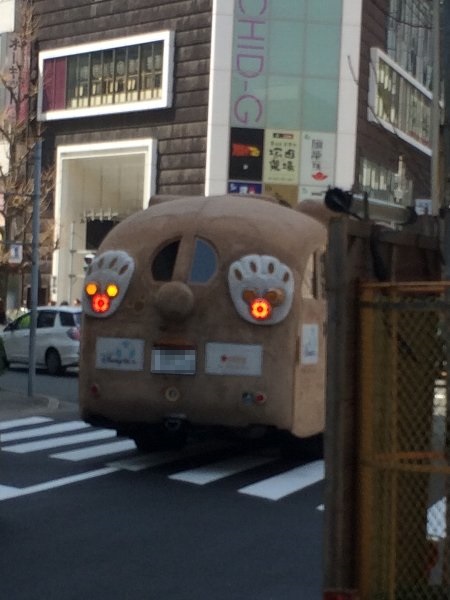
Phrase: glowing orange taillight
[91,288]
[101,302]
[260,309]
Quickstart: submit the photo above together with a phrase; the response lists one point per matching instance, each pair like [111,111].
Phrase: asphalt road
[63,387]
[86,516]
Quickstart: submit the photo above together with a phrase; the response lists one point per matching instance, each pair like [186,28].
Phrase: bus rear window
[164,262]
[204,263]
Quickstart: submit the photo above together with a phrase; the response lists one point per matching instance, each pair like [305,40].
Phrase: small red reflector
[95,390]
[260,309]
[100,303]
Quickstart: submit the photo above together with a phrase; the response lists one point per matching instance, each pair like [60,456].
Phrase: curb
[15,404]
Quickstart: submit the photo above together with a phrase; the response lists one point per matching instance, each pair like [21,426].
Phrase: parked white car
[57,338]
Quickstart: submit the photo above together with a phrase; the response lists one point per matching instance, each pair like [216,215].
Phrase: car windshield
[77,317]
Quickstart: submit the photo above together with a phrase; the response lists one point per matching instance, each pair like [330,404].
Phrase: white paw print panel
[107,279]
[262,288]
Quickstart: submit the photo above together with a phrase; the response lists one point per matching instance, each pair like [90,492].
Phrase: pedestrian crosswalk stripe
[294,480]
[7,492]
[221,469]
[68,440]
[95,451]
[42,431]
[209,454]
[12,423]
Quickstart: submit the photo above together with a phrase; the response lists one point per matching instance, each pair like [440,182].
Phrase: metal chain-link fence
[404,470]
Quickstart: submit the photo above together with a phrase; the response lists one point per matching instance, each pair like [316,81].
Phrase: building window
[399,103]
[409,38]
[115,76]
[385,185]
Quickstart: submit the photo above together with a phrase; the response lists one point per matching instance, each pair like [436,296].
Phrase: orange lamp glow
[91,288]
[260,309]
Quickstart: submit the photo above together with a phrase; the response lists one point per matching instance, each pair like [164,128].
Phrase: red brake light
[100,303]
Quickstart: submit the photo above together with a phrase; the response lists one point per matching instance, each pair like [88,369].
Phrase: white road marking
[437,519]
[59,441]
[95,451]
[219,470]
[287,483]
[42,431]
[23,422]
[272,488]
[7,492]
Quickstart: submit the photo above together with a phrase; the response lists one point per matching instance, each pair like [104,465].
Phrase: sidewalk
[15,405]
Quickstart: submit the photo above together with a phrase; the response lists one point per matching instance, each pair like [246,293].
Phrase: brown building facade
[213,96]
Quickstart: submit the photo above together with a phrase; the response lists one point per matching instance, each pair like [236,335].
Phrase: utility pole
[34,265]
[446,133]
[436,111]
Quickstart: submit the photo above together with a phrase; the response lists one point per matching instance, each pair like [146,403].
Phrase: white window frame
[7,16]
[376,55]
[167,37]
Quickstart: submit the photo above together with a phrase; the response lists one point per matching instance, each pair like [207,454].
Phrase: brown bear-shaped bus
[206,311]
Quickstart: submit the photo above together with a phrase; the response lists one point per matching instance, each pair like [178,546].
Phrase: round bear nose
[175,300]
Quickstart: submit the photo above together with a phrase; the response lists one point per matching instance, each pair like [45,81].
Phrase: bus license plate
[180,361]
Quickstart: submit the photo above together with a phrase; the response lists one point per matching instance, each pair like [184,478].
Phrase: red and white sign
[233,359]
[317,159]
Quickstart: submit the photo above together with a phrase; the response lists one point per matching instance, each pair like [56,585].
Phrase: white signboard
[174,360]
[281,156]
[233,359]
[317,159]
[423,206]
[310,344]
[119,354]
[7,15]
[15,254]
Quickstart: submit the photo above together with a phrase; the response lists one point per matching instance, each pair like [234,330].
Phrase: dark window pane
[72,81]
[204,263]
[96,231]
[59,99]
[164,262]
[45,319]
[48,85]
[66,319]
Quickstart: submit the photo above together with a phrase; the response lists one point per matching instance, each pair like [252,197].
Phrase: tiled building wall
[374,142]
[181,129]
